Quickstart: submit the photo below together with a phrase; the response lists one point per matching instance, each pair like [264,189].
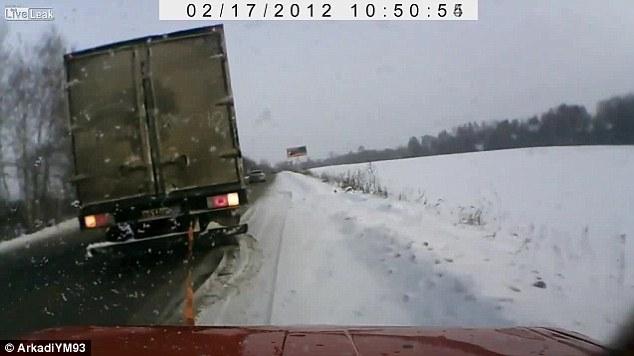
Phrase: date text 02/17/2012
[205,10]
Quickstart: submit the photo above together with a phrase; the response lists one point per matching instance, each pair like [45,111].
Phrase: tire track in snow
[269,316]
[216,292]
[250,298]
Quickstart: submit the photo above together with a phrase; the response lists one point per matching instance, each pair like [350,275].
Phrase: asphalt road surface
[52,283]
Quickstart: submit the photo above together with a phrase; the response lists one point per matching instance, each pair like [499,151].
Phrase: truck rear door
[108,126]
[196,139]
[152,116]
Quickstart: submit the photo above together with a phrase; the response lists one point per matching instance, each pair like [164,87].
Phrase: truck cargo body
[154,134]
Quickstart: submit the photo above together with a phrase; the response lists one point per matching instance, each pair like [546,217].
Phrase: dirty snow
[25,241]
[553,248]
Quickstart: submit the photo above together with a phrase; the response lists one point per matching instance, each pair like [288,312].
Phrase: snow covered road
[325,256]
[324,261]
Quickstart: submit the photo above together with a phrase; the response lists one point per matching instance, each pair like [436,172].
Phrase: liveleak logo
[17,13]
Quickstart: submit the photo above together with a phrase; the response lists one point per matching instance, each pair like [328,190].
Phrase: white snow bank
[320,264]
[25,241]
[559,215]
[563,189]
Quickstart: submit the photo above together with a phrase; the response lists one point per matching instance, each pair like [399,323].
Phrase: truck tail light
[223,200]
[97,220]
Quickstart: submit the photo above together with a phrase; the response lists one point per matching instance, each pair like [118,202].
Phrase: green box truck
[154,136]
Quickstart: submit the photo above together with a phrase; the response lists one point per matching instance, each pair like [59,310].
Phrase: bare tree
[4,56]
[51,139]
[38,141]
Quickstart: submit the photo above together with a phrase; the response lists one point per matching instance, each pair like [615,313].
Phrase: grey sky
[337,85]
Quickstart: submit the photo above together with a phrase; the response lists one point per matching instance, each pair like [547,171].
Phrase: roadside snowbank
[562,189]
[557,217]
[24,241]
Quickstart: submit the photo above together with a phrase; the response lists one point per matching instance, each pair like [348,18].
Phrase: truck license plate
[159,212]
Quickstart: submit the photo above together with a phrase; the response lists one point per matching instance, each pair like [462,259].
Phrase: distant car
[256,176]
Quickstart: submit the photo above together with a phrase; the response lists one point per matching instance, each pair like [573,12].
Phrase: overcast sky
[334,86]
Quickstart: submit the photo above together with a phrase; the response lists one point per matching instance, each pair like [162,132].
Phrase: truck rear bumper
[210,231]
[227,230]
[206,238]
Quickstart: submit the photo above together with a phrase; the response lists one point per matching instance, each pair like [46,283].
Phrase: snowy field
[553,246]
[562,215]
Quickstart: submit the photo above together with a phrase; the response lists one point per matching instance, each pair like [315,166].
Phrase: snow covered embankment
[330,257]
[53,232]
[554,244]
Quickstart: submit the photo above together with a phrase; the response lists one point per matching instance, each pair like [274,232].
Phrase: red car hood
[305,341]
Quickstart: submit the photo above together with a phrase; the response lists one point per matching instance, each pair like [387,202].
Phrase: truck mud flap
[168,243]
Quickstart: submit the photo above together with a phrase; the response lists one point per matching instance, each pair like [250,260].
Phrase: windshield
[467,173]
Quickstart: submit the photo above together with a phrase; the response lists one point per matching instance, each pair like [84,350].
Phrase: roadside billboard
[296,152]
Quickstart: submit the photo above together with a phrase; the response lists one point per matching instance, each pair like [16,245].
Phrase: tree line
[564,125]
[35,166]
